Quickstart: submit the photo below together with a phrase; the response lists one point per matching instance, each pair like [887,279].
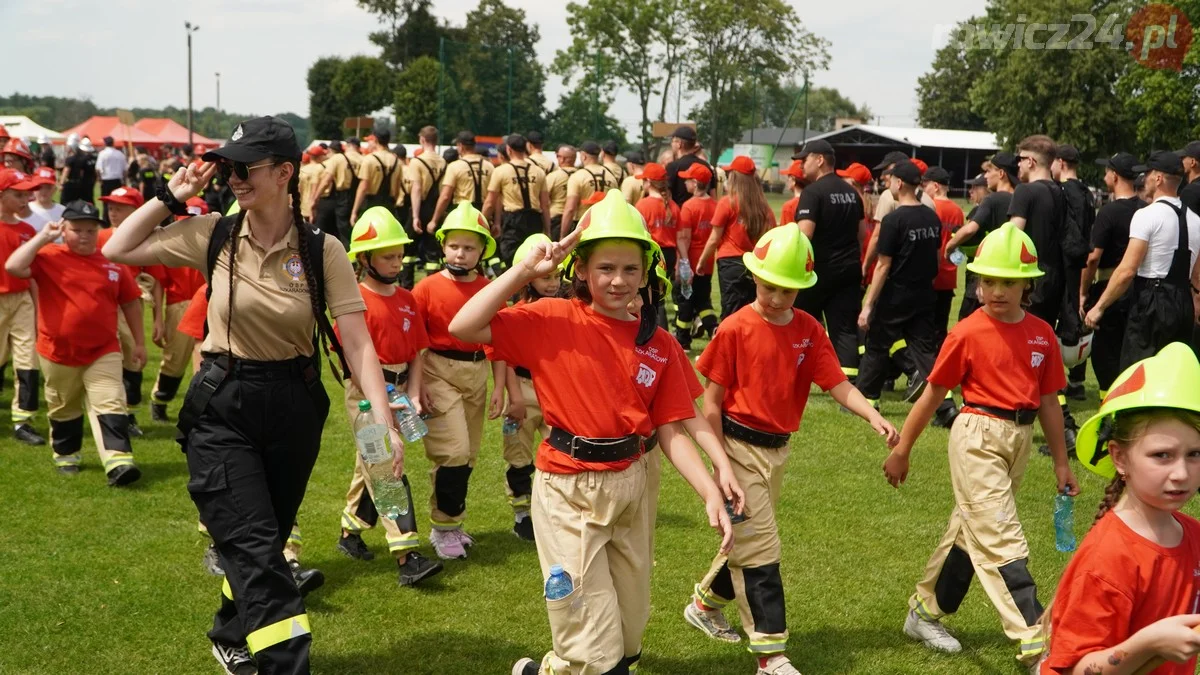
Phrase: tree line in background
[1095,96]
[60,114]
[745,60]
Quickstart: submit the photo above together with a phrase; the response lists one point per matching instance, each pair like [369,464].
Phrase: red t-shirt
[591,379]
[654,212]
[695,389]
[767,370]
[1003,365]
[394,324]
[734,240]
[1117,583]
[696,216]
[438,300]
[952,218]
[78,300]
[788,214]
[191,323]
[179,283]
[12,235]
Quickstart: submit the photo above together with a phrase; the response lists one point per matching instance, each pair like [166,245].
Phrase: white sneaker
[778,665]
[447,545]
[465,539]
[712,623]
[525,666]
[931,633]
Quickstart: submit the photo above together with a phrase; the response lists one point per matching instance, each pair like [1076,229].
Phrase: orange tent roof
[96,128]
[170,131]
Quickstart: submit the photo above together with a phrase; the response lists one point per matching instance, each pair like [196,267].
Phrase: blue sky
[131,53]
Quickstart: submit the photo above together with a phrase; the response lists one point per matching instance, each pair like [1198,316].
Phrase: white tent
[20,126]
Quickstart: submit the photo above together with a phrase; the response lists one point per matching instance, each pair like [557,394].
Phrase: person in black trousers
[252,418]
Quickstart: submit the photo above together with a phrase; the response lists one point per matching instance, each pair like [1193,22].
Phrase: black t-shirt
[837,211]
[148,178]
[991,213]
[1110,232]
[1190,195]
[1042,205]
[677,185]
[911,236]
[83,169]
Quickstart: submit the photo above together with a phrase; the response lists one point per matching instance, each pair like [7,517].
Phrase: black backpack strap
[523,184]
[1180,271]
[477,202]
[385,183]
[216,242]
[324,336]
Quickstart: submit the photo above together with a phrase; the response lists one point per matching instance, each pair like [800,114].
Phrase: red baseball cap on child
[921,166]
[125,195]
[652,171]
[196,206]
[795,170]
[742,164]
[45,175]
[17,180]
[856,172]
[697,172]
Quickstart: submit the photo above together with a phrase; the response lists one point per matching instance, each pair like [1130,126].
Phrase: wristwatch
[168,199]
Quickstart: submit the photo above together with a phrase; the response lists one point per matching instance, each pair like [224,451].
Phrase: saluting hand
[53,231]
[191,180]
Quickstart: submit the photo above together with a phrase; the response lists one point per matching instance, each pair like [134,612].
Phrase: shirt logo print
[1037,359]
[646,375]
[114,276]
[293,267]
[407,324]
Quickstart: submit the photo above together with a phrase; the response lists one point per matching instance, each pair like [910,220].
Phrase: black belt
[1141,283]
[1022,417]
[741,432]
[394,378]
[300,367]
[523,372]
[460,355]
[595,449]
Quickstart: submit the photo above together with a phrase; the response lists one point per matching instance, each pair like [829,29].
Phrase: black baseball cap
[401,151]
[450,154]
[817,147]
[1122,163]
[257,139]
[635,157]
[907,172]
[937,174]
[1165,161]
[978,181]
[1190,150]
[610,148]
[465,137]
[517,142]
[1067,153]
[1139,183]
[893,157]
[354,140]
[81,210]
[534,137]
[684,132]
[590,148]
[1007,162]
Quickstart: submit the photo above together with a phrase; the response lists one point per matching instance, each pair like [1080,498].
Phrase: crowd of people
[439,273]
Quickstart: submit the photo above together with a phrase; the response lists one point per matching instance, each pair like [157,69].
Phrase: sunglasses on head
[240,169]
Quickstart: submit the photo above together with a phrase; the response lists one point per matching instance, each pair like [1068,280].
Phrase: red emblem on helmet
[1026,257]
[586,221]
[369,234]
[810,264]
[1135,382]
[760,252]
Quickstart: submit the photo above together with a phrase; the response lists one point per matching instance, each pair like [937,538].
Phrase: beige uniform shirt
[587,180]
[544,164]
[310,175]
[887,203]
[373,168]
[425,171]
[272,315]
[632,189]
[556,185]
[507,179]
[463,174]
[339,166]
[354,157]
[619,174]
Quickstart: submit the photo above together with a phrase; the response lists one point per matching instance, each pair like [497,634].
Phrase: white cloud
[131,53]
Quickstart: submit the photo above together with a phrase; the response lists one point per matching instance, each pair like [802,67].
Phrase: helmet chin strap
[648,321]
[374,274]
[458,270]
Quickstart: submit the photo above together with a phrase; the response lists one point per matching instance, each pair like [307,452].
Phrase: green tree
[630,43]
[825,105]
[741,43]
[325,111]
[941,99]
[362,85]
[417,97]
[1164,105]
[578,119]
[410,30]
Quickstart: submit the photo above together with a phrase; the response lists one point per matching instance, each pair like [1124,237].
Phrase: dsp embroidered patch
[293,267]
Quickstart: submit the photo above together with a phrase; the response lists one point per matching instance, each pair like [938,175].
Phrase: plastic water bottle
[1064,522]
[685,278]
[559,584]
[410,424]
[511,426]
[391,499]
[957,257]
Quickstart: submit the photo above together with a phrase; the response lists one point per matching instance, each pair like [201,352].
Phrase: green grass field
[98,580]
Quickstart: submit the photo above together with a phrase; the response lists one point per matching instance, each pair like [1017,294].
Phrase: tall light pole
[187,25]
[218,92]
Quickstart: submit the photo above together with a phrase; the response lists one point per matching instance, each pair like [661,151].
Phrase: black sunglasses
[239,169]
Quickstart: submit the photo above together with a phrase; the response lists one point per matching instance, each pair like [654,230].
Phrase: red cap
[418,152]
[305,158]
[45,175]
[370,137]
[652,171]
[796,170]
[16,146]
[698,172]
[922,166]
[856,172]
[596,198]
[17,180]
[3,132]
[125,195]
[316,151]
[742,164]
[196,206]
